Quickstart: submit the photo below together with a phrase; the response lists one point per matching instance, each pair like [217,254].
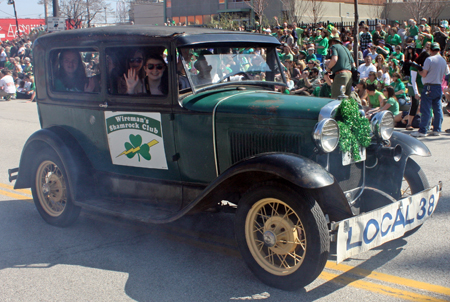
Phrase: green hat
[396,21]
[303,52]
[435,46]
[395,61]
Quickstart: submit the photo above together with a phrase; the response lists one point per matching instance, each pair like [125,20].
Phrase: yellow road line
[14,195]
[377,288]
[12,188]
[327,276]
[389,278]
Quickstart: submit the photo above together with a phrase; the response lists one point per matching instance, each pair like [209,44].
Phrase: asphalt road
[102,258]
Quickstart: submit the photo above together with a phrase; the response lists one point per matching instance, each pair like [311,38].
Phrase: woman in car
[156,78]
[133,79]
[71,75]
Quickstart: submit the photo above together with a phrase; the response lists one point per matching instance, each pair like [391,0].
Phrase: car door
[128,138]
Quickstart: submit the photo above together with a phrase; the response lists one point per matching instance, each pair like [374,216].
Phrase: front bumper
[366,231]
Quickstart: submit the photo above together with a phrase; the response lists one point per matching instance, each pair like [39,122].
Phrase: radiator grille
[248,143]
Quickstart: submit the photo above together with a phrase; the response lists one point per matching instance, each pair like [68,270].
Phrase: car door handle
[104,105]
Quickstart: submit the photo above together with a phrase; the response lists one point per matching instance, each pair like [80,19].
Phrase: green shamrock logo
[135,146]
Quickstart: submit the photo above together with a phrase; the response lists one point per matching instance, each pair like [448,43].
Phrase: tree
[295,9]
[419,9]
[258,6]
[316,8]
[78,12]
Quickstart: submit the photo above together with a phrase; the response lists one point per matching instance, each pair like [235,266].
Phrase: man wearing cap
[340,64]
[434,69]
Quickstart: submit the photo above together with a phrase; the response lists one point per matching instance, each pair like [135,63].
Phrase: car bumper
[366,231]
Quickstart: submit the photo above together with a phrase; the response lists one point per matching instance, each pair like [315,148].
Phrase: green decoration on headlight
[354,128]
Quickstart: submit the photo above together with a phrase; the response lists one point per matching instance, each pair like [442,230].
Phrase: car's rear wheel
[51,192]
[282,235]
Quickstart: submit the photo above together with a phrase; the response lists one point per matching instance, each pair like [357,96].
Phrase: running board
[129,210]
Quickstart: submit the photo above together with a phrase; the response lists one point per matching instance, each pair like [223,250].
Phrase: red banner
[8,29]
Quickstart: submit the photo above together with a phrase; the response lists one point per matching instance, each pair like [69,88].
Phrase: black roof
[181,34]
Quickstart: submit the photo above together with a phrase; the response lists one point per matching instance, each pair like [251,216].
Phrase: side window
[75,70]
[137,71]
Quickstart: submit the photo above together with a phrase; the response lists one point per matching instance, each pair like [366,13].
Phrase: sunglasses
[158,66]
[137,60]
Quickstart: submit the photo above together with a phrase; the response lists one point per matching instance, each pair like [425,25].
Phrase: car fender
[389,169]
[74,160]
[302,174]
[410,145]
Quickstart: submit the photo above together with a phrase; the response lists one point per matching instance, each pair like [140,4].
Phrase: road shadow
[192,259]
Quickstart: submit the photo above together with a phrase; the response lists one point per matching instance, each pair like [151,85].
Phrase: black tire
[414,181]
[51,191]
[305,249]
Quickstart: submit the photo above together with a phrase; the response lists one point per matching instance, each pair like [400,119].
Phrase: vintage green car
[153,123]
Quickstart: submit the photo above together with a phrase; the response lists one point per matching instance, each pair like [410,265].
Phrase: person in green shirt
[391,105]
[393,38]
[399,88]
[375,97]
[10,64]
[322,46]
[311,56]
[427,37]
[397,54]
[299,32]
[413,29]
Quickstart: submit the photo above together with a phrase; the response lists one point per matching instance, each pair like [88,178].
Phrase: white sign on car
[364,232]
[136,139]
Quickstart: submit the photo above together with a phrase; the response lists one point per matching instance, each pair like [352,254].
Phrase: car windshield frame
[225,80]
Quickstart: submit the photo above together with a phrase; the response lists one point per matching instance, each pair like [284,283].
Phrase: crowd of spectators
[388,56]
[17,76]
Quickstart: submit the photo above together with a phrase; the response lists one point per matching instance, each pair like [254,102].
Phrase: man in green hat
[340,64]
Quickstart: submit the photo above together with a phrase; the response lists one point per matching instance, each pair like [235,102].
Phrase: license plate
[347,157]
[366,231]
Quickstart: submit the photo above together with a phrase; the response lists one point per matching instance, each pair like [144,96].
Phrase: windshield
[213,66]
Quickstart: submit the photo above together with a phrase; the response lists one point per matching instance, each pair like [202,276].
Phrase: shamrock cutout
[134,147]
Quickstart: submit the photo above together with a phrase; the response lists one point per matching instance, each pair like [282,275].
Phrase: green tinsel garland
[354,129]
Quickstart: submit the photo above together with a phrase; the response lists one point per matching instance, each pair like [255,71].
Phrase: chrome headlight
[326,135]
[383,124]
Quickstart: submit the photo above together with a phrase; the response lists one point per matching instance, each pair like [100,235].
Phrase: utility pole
[55,8]
[15,14]
[45,11]
[356,35]
[106,18]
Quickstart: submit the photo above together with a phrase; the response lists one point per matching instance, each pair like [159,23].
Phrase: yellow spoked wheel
[282,235]
[275,236]
[51,188]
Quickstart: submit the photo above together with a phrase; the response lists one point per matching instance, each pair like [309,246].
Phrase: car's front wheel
[282,235]
[51,192]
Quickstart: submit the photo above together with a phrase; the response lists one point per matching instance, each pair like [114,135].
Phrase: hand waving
[131,80]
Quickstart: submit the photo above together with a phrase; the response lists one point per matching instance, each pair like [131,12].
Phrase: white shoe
[418,134]
[434,133]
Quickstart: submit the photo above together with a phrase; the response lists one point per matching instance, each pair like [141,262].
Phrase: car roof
[182,35]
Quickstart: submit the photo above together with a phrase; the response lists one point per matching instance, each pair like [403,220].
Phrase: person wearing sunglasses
[133,79]
[156,79]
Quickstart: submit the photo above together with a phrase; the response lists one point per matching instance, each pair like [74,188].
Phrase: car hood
[256,102]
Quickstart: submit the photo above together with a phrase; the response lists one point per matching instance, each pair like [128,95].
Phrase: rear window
[75,70]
